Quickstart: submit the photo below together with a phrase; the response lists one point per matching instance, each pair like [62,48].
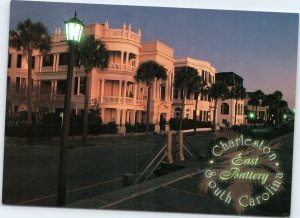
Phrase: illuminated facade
[120,98]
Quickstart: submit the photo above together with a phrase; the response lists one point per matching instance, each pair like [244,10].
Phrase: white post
[102,90]
[120,92]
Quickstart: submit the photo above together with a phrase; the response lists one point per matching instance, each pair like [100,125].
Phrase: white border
[246,5]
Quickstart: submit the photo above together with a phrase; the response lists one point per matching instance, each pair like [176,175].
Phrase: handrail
[165,154]
[145,170]
[191,147]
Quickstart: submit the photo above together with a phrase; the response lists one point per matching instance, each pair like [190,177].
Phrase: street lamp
[73,28]
[251,116]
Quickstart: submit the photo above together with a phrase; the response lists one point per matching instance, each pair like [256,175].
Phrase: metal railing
[151,163]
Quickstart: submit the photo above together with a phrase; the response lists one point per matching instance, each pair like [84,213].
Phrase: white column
[158,89]
[120,88]
[127,59]
[167,95]
[154,90]
[98,90]
[132,117]
[57,62]
[41,63]
[125,90]
[123,117]
[54,63]
[103,115]
[122,59]
[135,93]
[102,90]
[118,116]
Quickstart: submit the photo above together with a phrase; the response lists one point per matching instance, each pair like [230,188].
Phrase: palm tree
[184,77]
[268,102]
[277,97]
[237,92]
[218,91]
[146,73]
[255,100]
[27,37]
[92,53]
[198,87]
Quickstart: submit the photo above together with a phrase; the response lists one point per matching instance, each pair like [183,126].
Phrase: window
[23,84]
[48,61]
[33,62]
[79,85]
[63,59]
[45,87]
[9,61]
[175,93]
[82,85]
[19,61]
[224,108]
[18,79]
[162,92]
[76,86]
[61,87]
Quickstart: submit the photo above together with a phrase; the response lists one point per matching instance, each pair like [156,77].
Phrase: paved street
[30,172]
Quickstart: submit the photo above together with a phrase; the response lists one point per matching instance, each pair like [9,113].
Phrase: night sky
[261,47]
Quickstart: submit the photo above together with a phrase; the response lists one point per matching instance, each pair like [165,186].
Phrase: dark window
[76,86]
[48,61]
[175,93]
[23,84]
[9,61]
[224,108]
[61,87]
[82,85]
[45,87]
[63,59]
[18,79]
[33,62]
[19,61]
[162,92]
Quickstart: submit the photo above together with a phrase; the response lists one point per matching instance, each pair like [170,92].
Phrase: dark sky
[261,47]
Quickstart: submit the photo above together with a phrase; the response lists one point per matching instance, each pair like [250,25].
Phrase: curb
[121,195]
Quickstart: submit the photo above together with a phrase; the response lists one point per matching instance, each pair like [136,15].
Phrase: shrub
[138,128]
[187,124]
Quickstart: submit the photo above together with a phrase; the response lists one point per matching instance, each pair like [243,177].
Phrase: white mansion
[121,99]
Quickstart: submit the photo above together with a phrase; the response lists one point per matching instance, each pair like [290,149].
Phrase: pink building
[121,99]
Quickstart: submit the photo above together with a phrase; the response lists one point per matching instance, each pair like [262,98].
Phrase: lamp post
[73,28]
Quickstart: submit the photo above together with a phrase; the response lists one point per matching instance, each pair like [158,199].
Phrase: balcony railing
[129,101]
[62,68]
[110,99]
[47,69]
[118,66]
[140,102]
[187,101]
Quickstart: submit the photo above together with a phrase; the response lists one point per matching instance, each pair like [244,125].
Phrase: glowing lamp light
[73,29]
[211,161]
[251,115]
[284,116]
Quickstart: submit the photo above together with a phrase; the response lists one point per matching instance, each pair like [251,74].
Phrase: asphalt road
[30,173]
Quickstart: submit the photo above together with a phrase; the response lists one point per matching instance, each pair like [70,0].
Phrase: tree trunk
[182,111]
[86,108]
[29,89]
[214,117]
[148,108]
[195,115]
